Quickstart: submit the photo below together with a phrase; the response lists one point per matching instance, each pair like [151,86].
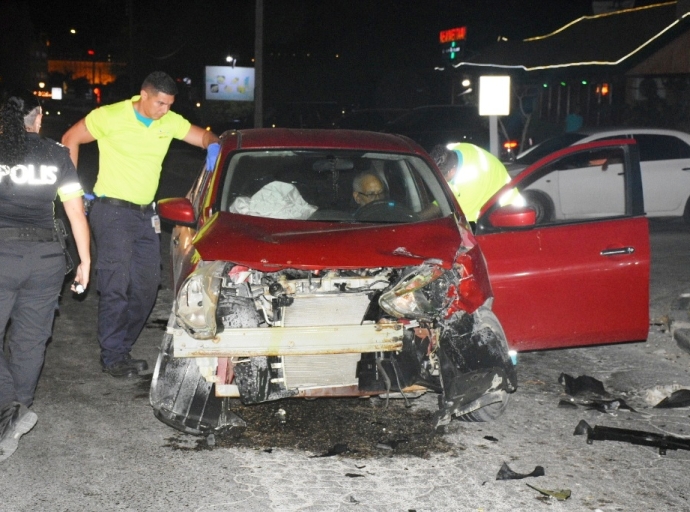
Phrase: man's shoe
[139,364]
[15,421]
[120,369]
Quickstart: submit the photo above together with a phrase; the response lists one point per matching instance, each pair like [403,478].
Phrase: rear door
[580,275]
[665,163]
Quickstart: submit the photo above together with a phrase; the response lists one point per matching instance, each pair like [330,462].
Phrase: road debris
[662,441]
[560,494]
[505,473]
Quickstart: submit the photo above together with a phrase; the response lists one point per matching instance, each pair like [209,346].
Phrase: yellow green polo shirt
[477,179]
[131,154]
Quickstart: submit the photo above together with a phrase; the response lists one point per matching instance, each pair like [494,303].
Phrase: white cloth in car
[277,200]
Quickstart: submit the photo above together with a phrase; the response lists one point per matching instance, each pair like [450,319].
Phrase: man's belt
[28,234]
[125,204]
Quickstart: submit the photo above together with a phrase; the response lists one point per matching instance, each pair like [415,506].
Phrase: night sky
[345,50]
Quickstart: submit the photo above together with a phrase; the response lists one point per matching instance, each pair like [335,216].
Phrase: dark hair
[15,107]
[445,158]
[160,82]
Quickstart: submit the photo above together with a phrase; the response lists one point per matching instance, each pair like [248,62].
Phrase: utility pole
[130,9]
[258,65]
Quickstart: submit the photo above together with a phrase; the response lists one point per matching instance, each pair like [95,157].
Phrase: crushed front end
[236,332]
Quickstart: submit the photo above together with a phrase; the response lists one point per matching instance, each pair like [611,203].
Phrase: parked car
[448,124]
[664,159]
[288,285]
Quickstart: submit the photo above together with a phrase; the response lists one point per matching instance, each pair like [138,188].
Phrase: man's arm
[76,136]
[197,136]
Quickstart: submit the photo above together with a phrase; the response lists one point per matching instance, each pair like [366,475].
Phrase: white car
[664,161]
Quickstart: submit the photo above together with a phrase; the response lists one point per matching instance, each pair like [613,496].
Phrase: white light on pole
[494,101]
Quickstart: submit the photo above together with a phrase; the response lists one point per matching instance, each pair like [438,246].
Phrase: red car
[324,263]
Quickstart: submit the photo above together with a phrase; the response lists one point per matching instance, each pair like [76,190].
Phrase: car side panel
[554,288]
[660,197]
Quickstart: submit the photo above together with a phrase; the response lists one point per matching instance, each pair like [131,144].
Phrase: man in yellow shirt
[133,138]
[473,174]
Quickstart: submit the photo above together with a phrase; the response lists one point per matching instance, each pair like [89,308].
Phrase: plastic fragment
[505,473]
[560,494]
[679,398]
[582,385]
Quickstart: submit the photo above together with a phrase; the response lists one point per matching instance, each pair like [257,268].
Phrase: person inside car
[367,187]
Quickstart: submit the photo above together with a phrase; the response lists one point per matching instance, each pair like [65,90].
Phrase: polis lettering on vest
[26,174]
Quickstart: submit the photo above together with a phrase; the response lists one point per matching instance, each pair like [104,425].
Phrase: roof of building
[608,39]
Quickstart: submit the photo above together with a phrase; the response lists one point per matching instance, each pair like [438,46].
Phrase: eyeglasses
[372,194]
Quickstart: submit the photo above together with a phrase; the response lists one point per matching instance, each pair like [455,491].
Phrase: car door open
[578,275]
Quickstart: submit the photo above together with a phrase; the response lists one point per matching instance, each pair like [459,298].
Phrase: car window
[661,147]
[335,186]
[588,184]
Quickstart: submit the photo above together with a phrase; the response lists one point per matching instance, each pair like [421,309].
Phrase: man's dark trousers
[127,273]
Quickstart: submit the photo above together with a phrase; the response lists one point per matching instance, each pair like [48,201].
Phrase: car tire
[542,204]
[492,411]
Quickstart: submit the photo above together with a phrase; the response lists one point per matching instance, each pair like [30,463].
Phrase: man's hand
[211,155]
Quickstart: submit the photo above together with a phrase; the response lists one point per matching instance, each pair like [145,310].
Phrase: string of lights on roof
[583,63]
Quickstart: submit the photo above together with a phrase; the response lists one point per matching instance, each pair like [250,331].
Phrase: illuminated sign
[229,83]
[453,34]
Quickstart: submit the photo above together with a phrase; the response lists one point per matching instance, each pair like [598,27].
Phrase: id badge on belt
[156,223]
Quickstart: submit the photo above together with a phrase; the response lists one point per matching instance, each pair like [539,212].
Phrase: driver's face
[372,190]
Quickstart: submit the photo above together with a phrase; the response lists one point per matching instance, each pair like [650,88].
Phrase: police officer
[473,174]
[33,171]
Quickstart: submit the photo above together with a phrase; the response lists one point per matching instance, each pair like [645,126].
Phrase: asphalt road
[97,445]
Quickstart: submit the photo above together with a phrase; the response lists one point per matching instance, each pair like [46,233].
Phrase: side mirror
[513,217]
[177,210]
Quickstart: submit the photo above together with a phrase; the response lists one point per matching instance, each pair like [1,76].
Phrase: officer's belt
[125,204]
[28,234]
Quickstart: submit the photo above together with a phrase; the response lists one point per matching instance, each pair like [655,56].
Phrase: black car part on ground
[662,441]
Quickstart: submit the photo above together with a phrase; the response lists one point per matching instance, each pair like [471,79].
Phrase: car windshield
[336,186]
[547,147]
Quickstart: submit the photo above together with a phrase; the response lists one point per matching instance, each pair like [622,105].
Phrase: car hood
[273,244]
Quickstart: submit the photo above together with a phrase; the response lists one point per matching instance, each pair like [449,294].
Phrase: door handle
[686,168]
[617,252]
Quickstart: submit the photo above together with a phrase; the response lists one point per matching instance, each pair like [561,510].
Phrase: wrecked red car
[332,263]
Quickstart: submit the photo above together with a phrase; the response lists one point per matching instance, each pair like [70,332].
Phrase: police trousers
[128,268]
[31,278]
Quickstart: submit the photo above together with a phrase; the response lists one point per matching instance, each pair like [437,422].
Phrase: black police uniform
[32,261]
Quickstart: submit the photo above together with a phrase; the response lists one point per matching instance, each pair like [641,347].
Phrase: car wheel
[686,213]
[487,319]
[542,204]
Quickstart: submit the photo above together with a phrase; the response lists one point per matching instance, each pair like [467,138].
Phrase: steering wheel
[385,210]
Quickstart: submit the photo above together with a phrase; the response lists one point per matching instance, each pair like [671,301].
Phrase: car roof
[276,138]
[616,130]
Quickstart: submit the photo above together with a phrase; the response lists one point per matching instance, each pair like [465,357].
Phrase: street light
[231,60]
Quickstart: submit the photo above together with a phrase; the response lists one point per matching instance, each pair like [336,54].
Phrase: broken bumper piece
[292,341]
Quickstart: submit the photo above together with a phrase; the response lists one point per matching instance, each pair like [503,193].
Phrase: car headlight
[422,294]
[197,300]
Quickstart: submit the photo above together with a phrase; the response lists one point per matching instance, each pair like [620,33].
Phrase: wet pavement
[97,445]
